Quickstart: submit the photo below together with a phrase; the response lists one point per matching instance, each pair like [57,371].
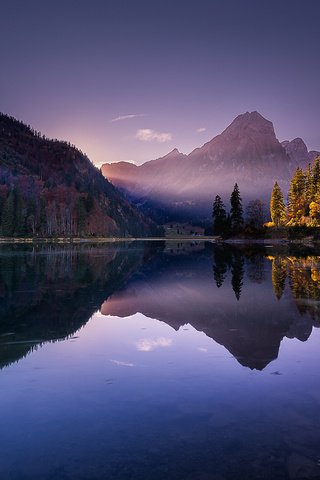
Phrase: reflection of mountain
[181,290]
[49,294]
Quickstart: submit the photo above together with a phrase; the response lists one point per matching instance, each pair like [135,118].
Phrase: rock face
[56,190]
[183,186]
[298,152]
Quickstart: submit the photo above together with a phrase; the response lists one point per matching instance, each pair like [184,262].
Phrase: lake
[156,361]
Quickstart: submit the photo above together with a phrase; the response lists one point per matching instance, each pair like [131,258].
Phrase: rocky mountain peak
[248,122]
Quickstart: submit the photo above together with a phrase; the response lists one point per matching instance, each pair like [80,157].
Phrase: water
[147,361]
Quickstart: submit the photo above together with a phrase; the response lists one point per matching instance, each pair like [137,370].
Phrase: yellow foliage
[314,209]
[315,275]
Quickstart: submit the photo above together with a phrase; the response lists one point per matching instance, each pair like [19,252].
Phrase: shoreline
[212,239]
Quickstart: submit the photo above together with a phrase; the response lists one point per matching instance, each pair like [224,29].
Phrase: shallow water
[166,362]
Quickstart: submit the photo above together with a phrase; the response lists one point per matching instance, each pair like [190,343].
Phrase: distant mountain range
[49,187]
[179,186]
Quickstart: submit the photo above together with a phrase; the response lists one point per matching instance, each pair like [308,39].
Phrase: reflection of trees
[255,267]
[222,259]
[237,259]
[49,294]
[237,274]
[304,281]
[279,275]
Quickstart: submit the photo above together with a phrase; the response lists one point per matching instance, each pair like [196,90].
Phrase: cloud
[202,349]
[148,135]
[147,344]
[200,130]
[128,117]
[123,364]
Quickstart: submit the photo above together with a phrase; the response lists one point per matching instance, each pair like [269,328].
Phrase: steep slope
[49,187]
[246,152]
[298,153]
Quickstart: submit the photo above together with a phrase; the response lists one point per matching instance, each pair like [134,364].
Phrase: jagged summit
[173,152]
[250,121]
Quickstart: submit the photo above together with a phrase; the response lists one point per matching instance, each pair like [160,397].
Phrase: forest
[303,202]
[50,188]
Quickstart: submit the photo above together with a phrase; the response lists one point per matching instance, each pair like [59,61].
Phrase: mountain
[181,186]
[49,187]
[298,152]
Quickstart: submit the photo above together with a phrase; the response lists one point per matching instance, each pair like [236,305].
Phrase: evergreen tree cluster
[228,224]
[303,205]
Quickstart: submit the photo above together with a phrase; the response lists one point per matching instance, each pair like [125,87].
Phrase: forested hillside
[49,187]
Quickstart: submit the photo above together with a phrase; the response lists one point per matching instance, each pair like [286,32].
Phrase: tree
[236,211]
[277,206]
[219,216]
[255,213]
[297,204]
[8,215]
[309,193]
[316,177]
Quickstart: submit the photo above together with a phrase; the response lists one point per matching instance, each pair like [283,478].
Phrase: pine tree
[236,211]
[8,215]
[81,215]
[297,204]
[316,177]
[219,216]
[309,185]
[277,206]
[18,212]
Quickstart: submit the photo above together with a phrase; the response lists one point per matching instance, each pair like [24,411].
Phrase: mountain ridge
[49,187]
[247,152]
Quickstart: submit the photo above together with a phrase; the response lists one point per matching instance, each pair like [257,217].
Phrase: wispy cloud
[200,130]
[122,364]
[202,349]
[148,344]
[148,135]
[128,116]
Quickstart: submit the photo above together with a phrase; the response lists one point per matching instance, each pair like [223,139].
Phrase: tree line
[236,221]
[303,202]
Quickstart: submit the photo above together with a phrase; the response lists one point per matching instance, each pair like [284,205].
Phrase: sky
[133,79]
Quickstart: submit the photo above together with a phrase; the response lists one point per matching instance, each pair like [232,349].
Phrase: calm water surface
[147,361]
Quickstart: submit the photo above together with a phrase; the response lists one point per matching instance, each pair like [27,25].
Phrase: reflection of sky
[75,405]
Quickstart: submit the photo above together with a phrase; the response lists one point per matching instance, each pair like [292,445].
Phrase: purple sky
[184,68]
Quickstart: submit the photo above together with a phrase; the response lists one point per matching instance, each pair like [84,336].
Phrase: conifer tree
[277,206]
[308,185]
[8,215]
[219,216]
[316,177]
[18,214]
[236,211]
[297,205]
